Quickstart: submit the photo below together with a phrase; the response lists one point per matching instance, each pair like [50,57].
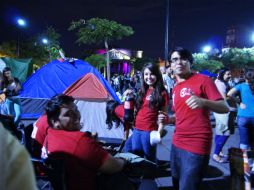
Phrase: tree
[98,61]
[53,45]
[236,58]
[138,63]
[42,53]
[202,62]
[8,49]
[97,30]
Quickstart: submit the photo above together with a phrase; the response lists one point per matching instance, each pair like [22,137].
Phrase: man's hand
[163,117]
[195,102]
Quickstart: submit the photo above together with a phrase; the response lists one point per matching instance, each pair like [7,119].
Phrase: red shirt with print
[193,130]
[82,156]
[119,111]
[40,129]
[146,118]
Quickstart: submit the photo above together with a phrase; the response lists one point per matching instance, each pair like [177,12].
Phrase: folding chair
[52,172]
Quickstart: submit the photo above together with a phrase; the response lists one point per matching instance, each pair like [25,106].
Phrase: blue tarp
[208,73]
[54,77]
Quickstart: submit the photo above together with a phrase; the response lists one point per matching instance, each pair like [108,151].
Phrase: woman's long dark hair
[5,81]
[111,116]
[156,100]
[220,76]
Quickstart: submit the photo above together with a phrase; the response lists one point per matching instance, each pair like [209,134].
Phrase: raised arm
[232,92]
[218,106]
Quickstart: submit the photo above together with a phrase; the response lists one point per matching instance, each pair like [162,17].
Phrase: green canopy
[21,68]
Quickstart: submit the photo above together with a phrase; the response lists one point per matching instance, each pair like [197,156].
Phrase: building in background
[120,60]
[237,37]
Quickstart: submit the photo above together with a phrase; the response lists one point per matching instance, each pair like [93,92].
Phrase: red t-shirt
[146,118]
[82,156]
[119,111]
[40,129]
[193,130]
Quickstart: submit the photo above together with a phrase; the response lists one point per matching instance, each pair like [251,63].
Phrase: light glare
[21,22]
[207,49]
[45,41]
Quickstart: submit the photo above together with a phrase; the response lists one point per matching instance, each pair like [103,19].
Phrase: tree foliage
[202,62]
[138,63]
[98,61]
[236,58]
[96,30]
[233,58]
[42,53]
[8,49]
[53,45]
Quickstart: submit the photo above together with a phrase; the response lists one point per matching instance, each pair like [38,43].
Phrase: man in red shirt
[38,135]
[82,156]
[193,97]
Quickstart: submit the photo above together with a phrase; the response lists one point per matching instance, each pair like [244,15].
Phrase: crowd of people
[173,94]
[120,83]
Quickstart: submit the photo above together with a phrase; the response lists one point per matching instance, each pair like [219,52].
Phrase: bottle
[129,109]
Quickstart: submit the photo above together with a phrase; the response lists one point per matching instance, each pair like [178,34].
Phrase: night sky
[193,23]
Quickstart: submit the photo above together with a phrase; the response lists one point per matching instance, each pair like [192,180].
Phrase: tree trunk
[107,60]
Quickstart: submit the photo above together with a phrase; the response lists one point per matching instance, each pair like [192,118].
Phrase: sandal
[219,159]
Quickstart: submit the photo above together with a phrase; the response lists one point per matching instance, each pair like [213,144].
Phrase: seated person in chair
[82,156]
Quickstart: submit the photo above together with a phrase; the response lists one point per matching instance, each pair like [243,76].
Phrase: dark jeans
[220,141]
[246,127]
[140,145]
[187,169]
[127,145]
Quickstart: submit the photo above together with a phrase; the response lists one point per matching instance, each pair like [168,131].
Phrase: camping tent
[207,73]
[78,79]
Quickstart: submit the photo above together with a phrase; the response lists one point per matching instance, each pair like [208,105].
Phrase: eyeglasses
[176,59]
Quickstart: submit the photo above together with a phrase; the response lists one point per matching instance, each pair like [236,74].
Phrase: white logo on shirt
[44,154]
[186,92]
[148,97]
[33,135]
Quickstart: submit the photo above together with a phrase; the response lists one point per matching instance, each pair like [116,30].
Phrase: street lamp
[47,42]
[166,33]
[207,49]
[21,24]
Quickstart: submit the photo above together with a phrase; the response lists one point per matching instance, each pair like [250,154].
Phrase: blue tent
[54,78]
[208,73]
